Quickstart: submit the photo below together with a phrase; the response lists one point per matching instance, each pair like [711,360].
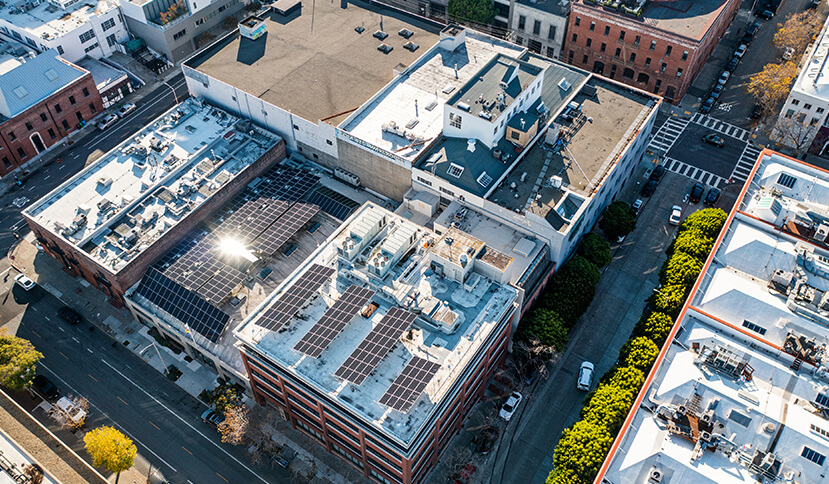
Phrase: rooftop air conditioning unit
[655,476]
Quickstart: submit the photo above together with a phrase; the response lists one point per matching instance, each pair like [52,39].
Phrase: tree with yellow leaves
[798,30]
[771,85]
[18,359]
[110,449]
[235,424]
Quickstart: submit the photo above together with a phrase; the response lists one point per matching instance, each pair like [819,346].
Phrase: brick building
[42,99]
[112,220]
[661,50]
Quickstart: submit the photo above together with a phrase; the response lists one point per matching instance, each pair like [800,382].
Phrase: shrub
[655,326]
[595,248]
[693,243]
[639,353]
[668,300]
[617,221]
[608,407]
[545,325]
[580,452]
[627,378]
[572,289]
[479,11]
[707,222]
[680,269]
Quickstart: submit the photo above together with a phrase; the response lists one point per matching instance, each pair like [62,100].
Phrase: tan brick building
[661,51]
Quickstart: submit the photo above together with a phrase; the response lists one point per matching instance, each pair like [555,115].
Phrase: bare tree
[535,355]
[263,425]
[794,133]
[455,459]
[34,473]
[234,427]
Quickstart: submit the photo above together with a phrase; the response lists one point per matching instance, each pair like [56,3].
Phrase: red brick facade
[347,439]
[635,53]
[46,123]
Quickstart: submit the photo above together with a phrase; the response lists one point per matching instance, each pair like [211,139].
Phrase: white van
[585,376]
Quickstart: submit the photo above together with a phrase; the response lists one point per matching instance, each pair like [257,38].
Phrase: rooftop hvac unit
[463,106]
[564,84]
[822,231]
[105,181]
[556,181]
[655,476]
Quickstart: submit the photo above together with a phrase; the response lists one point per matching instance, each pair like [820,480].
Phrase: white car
[740,50]
[508,409]
[788,53]
[108,121]
[23,281]
[126,109]
[676,215]
[585,376]
[723,77]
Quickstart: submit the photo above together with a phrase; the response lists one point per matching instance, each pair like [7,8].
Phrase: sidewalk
[311,460]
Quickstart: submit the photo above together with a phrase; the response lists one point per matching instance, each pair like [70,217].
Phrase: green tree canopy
[669,299]
[595,248]
[680,269]
[608,406]
[581,451]
[692,243]
[110,449]
[707,222]
[18,359]
[545,325]
[654,326]
[627,378]
[639,353]
[572,289]
[478,11]
[617,221]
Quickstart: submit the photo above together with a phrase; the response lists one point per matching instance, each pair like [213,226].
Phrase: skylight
[454,170]
[51,74]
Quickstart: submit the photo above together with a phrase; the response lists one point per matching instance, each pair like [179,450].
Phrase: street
[94,144]
[161,418]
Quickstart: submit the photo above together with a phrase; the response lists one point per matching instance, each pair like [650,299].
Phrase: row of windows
[108,24]
[618,55]
[637,40]
[87,36]
[181,33]
[522,25]
[801,118]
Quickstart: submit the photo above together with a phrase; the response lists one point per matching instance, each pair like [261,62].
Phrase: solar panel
[409,385]
[183,304]
[331,324]
[375,346]
[330,206]
[283,229]
[298,294]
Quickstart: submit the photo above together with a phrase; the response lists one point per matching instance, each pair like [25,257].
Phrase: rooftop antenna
[456,70]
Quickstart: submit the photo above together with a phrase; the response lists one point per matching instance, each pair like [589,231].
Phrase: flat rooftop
[420,95]
[103,74]
[598,124]
[813,79]
[472,311]
[47,21]
[126,200]
[316,65]
[10,53]
[688,18]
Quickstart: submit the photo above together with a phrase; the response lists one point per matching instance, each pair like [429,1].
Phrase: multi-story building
[803,122]
[739,391]
[75,29]
[398,330]
[176,28]
[42,99]
[538,25]
[112,83]
[121,213]
[658,47]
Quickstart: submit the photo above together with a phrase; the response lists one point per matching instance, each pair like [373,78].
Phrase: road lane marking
[35,332]
[223,477]
[61,353]
[98,410]
[89,350]
[122,401]
[47,318]
[174,414]
[96,380]
[62,167]
[62,330]
[154,425]
[76,340]
[185,449]
[46,177]
[34,308]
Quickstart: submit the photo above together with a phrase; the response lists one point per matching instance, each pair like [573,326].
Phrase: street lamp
[174,91]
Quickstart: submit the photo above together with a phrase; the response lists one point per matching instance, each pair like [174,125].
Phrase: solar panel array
[331,324]
[277,234]
[409,385]
[330,206]
[359,365]
[183,304]
[298,294]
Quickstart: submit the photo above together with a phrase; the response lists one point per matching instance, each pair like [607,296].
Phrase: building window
[111,41]
[592,26]
[552,33]
[622,35]
[448,192]
[627,73]
[583,61]
[60,49]
[91,48]
[58,108]
[795,102]
[754,327]
[613,71]
[578,21]
[12,136]
[522,22]
[632,56]
[222,8]
[789,113]
[181,33]
[589,42]
[519,40]
[108,24]
[65,124]
[72,100]
[29,126]
[85,92]
[575,36]
[662,68]
[819,110]
[455,120]
[570,57]
[786,180]
[6,162]
[43,117]
[668,51]
[201,21]
[618,52]
[653,45]
[21,153]
[813,456]
[551,52]
[534,46]
[657,86]
[807,106]
[637,40]
[537,28]
[52,133]
[79,116]
[603,47]
[92,108]
[606,30]
[86,36]
[424,181]
[822,400]
[679,72]
[684,55]
[647,62]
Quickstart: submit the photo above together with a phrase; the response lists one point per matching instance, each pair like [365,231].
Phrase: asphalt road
[161,418]
[690,149]
[90,147]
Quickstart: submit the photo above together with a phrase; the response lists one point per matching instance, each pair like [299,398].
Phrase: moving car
[713,196]
[126,109]
[656,174]
[649,188]
[741,50]
[714,139]
[108,121]
[788,53]
[45,387]
[212,418]
[69,315]
[676,215]
[585,376]
[23,281]
[696,192]
[508,409]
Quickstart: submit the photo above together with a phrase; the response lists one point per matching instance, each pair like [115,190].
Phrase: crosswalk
[746,163]
[665,138]
[715,124]
[696,174]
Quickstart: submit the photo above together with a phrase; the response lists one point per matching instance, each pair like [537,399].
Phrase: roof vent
[470,145]
[564,84]
[463,106]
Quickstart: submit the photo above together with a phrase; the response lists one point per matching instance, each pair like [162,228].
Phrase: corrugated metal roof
[34,81]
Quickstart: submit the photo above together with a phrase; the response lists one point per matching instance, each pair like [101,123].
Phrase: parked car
[636,207]
[814,3]
[649,188]
[741,50]
[723,77]
[69,315]
[696,192]
[284,457]
[126,109]
[706,106]
[585,376]
[23,281]
[676,215]
[211,417]
[713,196]
[45,387]
[717,91]
[108,121]
[508,409]
[765,14]
[714,139]
[732,64]
[757,112]
[656,174]
[788,53]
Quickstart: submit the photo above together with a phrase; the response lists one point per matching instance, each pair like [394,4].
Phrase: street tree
[608,407]
[654,326]
[668,299]
[547,327]
[680,268]
[572,289]
[581,451]
[263,426]
[235,424]
[708,222]
[692,243]
[18,359]
[627,378]
[639,353]
[595,248]
[795,132]
[477,11]
[110,449]
[771,85]
[617,221]
[798,30]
